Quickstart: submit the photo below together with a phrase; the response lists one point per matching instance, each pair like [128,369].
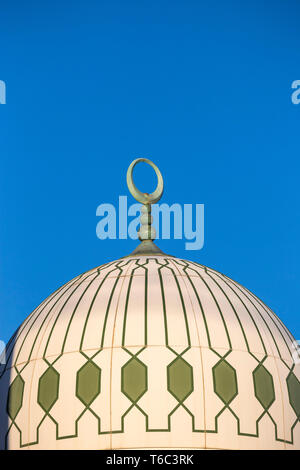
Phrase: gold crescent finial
[145,198]
[146,231]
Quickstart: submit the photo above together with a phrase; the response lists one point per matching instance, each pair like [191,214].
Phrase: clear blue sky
[202,88]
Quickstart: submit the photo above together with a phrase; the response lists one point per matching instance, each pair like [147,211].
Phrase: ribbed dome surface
[150,352]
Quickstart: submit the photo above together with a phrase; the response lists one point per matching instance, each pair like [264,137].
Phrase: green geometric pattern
[180,379]
[225,381]
[293,385]
[134,379]
[179,374]
[263,386]
[88,384]
[48,389]
[15,397]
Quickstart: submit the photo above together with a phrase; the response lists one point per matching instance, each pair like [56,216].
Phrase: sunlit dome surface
[150,351]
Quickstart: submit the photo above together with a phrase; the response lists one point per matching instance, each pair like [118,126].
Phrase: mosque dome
[150,351]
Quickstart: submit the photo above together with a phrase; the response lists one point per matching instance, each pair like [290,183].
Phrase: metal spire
[146,231]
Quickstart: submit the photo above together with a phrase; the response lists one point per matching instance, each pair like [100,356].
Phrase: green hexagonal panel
[225,381]
[15,397]
[180,379]
[48,389]
[293,385]
[88,385]
[134,379]
[263,386]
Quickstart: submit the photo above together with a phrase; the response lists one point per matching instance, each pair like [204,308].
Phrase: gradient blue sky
[202,88]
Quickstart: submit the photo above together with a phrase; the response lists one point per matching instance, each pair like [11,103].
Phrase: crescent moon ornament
[145,198]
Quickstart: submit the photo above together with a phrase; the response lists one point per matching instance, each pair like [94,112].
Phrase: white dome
[150,351]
